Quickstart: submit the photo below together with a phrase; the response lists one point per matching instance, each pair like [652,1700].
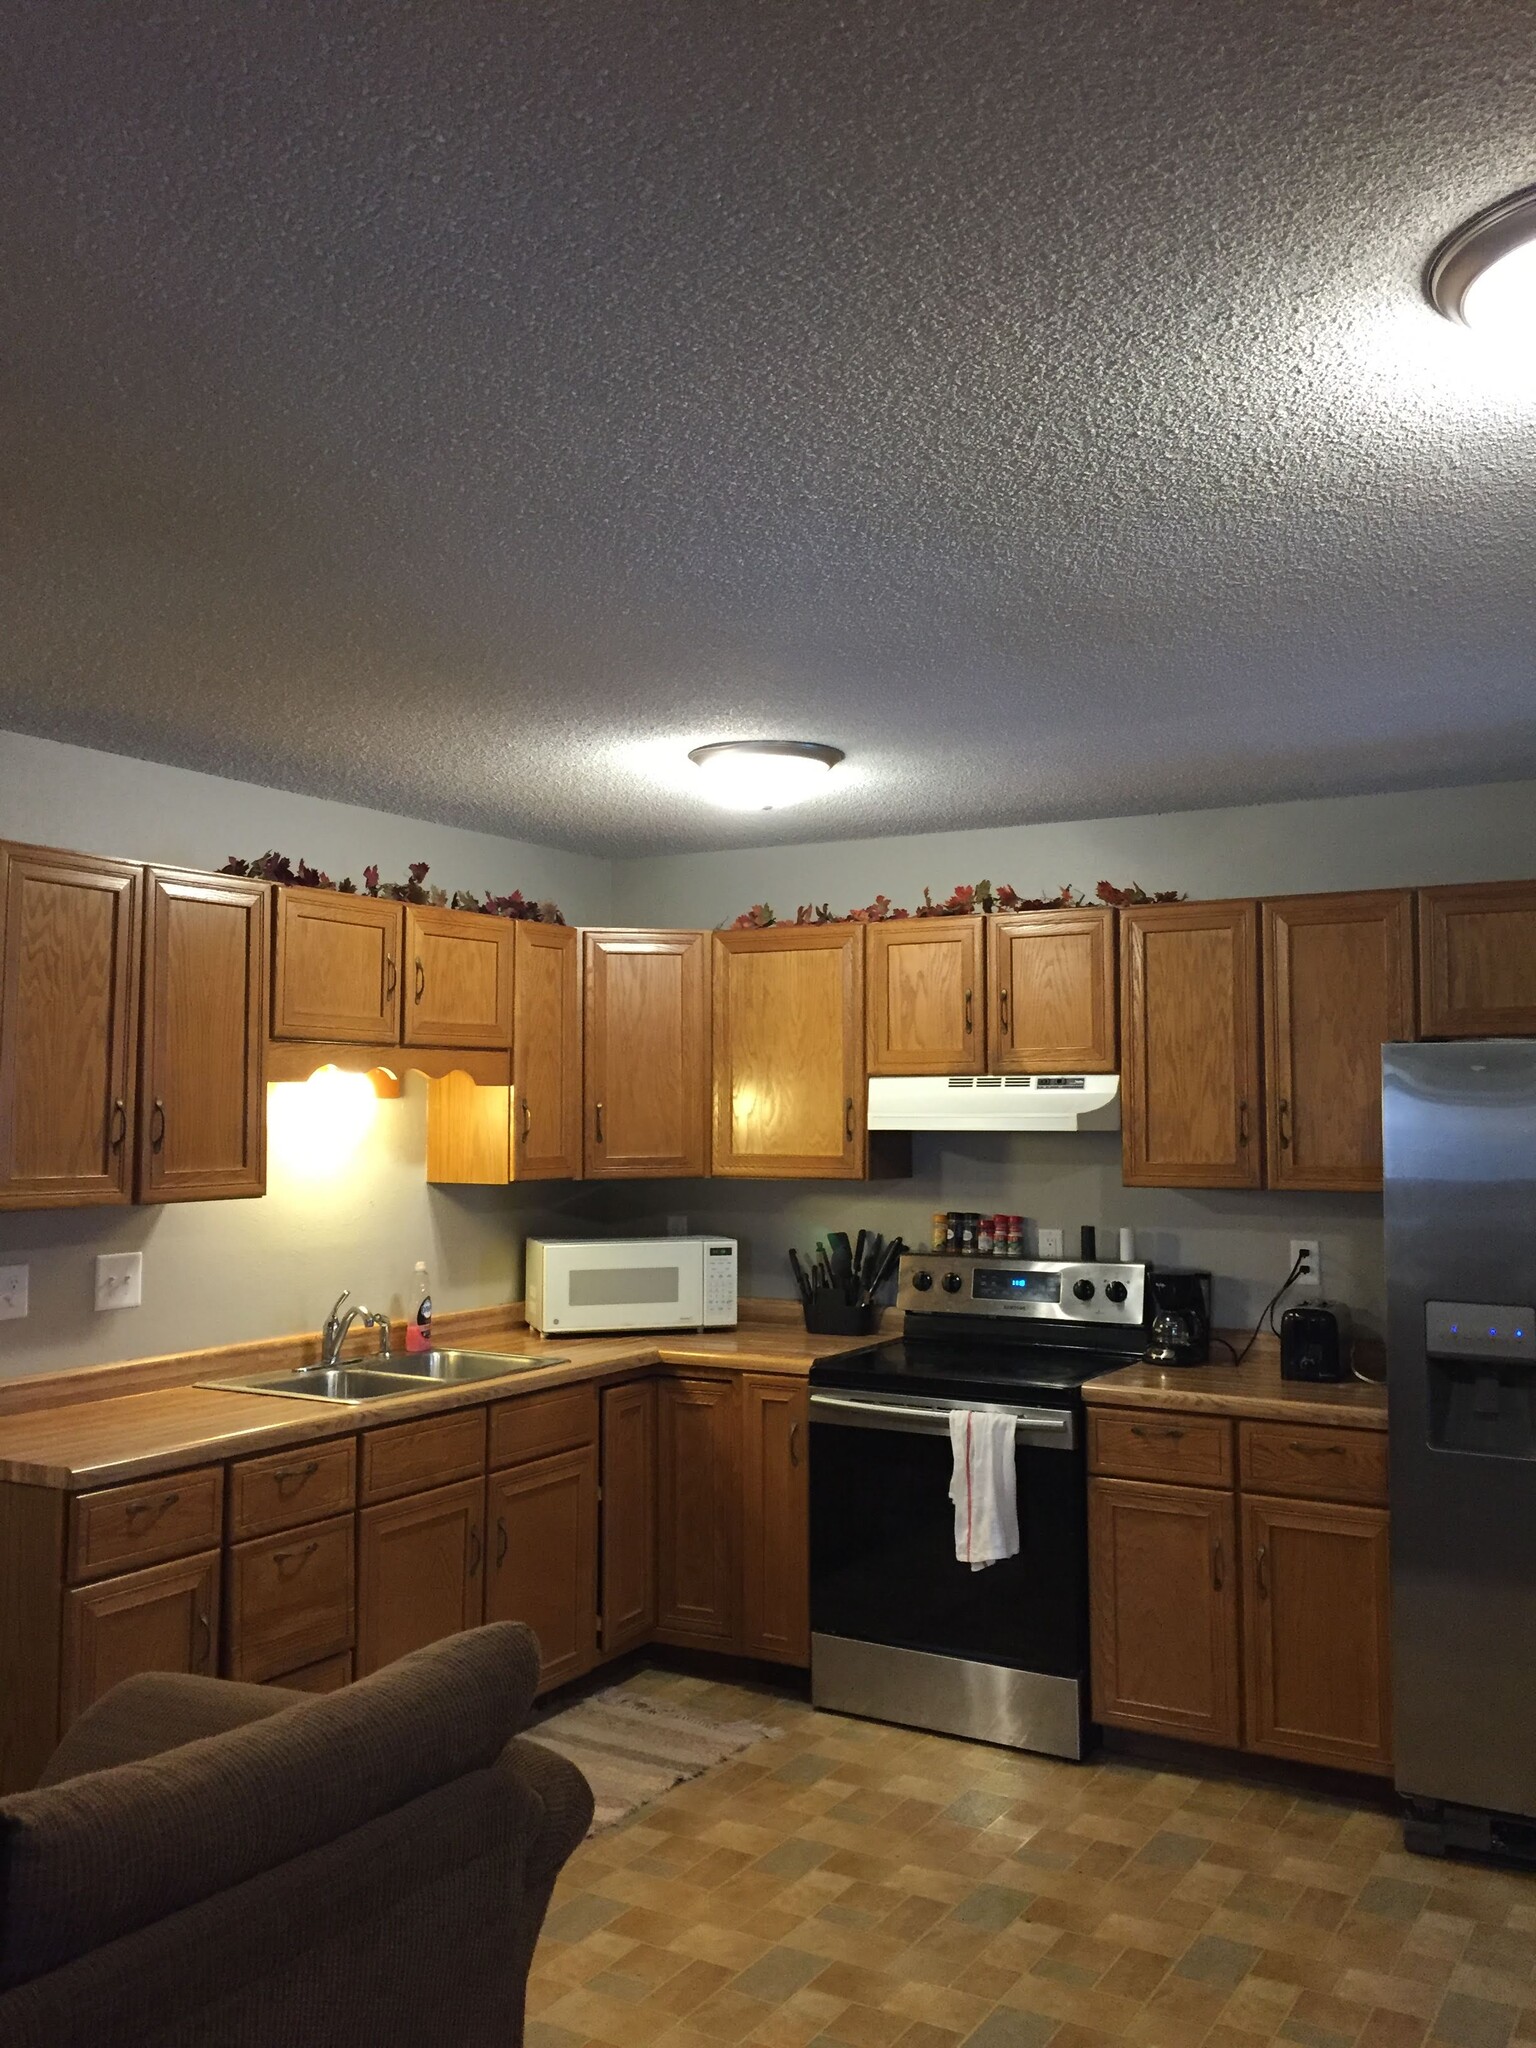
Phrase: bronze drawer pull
[1172,1433]
[501,1542]
[475,1552]
[1261,1570]
[295,1475]
[968,1025]
[1316,1450]
[281,1557]
[157,1125]
[1218,1567]
[421,981]
[151,1508]
[119,1127]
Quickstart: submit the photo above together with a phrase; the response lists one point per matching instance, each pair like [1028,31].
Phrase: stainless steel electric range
[900,1630]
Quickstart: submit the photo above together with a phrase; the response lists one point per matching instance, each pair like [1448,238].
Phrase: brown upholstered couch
[209,1863]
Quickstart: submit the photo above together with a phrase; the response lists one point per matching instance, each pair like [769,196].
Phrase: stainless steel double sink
[388,1377]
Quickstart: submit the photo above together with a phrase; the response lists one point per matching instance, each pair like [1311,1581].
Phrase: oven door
[898,1621]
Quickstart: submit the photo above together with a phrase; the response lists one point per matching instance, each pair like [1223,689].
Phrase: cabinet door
[776,1519]
[1052,975]
[925,1002]
[1477,961]
[1162,1595]
[698,1511]
[336,967]
[418,1571]
[1317,1632]
[546,1055]
[646,1018]
[69,974]
[1190,1046]
[1338,985]
[202,1093]
[789,1052]
[459,990]
[628,1603]
[162,1619]
[543,1536]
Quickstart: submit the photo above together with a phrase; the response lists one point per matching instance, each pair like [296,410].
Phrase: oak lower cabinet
[925,995]
[627,1604]
[789,1084]
[1191,1113]
[419,1570]
[1338,985]
[1477,961]
[1316,1632]
[645,1030]
[69,1008]
[459,978]
[165,1618]
[775,1519]
[698,1494]
[542,1529]
[336,967]
[1163,1609]
[1051,992]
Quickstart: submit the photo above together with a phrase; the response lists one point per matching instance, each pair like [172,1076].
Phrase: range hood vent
[995,1102]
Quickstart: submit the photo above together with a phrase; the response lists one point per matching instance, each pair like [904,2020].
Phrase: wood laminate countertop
[132,1436]
[1254,1391]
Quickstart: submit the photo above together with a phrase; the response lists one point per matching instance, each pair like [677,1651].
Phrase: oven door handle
[892,1415]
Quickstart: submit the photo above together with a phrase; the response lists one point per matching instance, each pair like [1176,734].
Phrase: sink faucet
[339,1323]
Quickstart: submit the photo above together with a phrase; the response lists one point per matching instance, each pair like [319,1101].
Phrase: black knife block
[827,1314]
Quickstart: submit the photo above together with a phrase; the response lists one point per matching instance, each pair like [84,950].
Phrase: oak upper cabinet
[646,1037]
[1052,1000]
[789,1052]
[459,967]
[1163,1609]
[336,967]
[1477,961]
[628,1593]
[546,1054]
[925,997]
[163,1619]
[542,1529]
[69,975]
[775,1513]
[1317,1632]
[419,1570]
[698,1431]
[202,1099]
[1338,985]
[1191,1108]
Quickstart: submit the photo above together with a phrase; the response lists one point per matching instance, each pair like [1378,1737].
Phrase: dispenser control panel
[1498,1331]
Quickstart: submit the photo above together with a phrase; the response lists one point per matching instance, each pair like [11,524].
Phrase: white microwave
[574,1284]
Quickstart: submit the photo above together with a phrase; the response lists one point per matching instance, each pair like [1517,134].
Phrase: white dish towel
[984,1487]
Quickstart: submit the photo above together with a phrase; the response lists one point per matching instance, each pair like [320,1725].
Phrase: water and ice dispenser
[1482,1377]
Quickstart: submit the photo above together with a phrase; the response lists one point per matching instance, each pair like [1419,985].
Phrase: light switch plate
[13,1291]
[120,1280]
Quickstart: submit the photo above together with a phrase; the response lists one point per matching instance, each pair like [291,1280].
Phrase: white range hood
[995,1102]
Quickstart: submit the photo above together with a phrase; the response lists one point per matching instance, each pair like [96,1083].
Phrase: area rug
[631,1749]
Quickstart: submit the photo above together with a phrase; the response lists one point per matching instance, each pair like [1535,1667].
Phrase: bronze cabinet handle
[391,977]
[294,1476]
[282,1557]
[421,981]
[1002,1006]
[794,1443]
[154,1509]
[968,1025]
[205,1654]
[1171,1433]
[1242,1121]
[118,1127]
[157,1125]
[848,1119]
[501,1542]
[1284,1122]
[599,1124]
[475,1552]
[1261,1570]
[527,1119]
[1218,1567]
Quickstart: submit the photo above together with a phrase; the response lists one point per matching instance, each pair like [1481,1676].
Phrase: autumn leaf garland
[277,867]
[963,901]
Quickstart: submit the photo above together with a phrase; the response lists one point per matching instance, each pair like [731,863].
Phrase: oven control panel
[1043,1290]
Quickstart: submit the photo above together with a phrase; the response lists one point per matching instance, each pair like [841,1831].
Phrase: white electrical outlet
[1310,1251]
[13,1291]
[120,1280]
[1049,1243]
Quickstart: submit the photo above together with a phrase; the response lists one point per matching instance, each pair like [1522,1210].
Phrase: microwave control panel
[719,1280]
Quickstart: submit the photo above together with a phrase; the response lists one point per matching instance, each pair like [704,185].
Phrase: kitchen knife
[841,1259]
[801,1281]
[887,1266]
[859,1252]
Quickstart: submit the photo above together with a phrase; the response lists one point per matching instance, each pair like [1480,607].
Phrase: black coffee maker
[1178,1316]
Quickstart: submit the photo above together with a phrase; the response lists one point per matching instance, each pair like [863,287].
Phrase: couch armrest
[156,1711]
[563,1794]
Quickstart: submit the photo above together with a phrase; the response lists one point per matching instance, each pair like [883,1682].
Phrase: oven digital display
[1004,1286]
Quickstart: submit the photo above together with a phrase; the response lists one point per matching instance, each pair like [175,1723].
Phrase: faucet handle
[331,1319]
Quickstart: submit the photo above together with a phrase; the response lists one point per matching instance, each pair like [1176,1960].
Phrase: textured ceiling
[465,409]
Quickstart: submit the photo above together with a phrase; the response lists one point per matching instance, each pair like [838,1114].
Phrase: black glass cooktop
[969,1368]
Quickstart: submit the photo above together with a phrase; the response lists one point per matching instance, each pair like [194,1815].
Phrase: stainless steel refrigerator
[1460,1155]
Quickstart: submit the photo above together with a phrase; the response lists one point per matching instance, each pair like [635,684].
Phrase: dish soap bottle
[418,1331]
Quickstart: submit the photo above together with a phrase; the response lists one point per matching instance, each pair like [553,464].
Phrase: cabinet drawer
[290,1487]
[141,1524]
[329,1675]
[411,1456]
[289,1601]
[1314,1463]
[538,1424]
[1189,1450]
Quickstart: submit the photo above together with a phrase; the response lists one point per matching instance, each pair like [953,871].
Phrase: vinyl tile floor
[858,1886]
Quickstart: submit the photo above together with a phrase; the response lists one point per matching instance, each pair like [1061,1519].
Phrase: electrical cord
[1267,1313]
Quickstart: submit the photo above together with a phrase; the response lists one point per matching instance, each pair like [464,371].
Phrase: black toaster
[1313,1343]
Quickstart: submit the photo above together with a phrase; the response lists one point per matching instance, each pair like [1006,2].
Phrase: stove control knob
[953,1283]
[1115,1292]
[922,1281]
[1083,1289]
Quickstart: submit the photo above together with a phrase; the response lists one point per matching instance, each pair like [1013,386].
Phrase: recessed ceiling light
[1484,275]
[763,775]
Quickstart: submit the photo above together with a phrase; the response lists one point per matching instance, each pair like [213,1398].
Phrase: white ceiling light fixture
[1484,275]
[763,775]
